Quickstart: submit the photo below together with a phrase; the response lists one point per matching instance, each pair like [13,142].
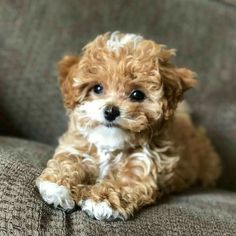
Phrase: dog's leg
[110,200]
[123,191]
[64,175]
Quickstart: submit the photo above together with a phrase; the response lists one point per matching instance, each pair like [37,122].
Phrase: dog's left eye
[137,96]
[98,89]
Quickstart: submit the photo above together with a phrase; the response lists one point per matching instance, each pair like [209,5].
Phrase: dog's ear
[65,65]
[175,82]
[65,70]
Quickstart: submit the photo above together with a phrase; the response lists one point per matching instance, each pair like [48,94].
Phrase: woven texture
[35,34]
[22,211]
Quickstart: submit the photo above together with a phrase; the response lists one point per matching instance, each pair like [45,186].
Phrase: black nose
[111,113]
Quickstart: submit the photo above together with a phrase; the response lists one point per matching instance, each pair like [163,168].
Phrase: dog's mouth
[110,124]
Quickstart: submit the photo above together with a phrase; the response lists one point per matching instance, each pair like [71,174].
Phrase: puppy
[124,147]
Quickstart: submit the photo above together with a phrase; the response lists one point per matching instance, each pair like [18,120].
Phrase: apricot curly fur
[158,153]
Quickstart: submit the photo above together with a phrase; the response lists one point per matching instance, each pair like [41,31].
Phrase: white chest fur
[104,163]
[107,139]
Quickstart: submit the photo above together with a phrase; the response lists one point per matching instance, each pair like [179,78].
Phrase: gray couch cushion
[35,34]
[22,211]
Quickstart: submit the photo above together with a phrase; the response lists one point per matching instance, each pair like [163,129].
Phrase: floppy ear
[175,82]
[65,70]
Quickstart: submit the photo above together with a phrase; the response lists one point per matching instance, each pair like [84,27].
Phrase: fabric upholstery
[35,34]
[22,211]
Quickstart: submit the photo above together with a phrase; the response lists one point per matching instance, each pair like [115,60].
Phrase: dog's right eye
[98,89]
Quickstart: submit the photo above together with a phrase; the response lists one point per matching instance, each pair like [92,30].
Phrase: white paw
[100,210]
[55,194]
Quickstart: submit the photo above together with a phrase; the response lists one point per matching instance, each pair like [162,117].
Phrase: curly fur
[112,170]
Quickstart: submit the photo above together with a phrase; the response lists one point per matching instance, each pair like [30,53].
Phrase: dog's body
[124,147]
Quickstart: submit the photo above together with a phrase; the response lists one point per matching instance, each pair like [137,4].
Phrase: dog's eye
[98,89]
[137,96]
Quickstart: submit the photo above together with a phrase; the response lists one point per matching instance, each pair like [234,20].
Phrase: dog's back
[195,147]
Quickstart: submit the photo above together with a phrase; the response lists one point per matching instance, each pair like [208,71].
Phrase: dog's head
[123,81]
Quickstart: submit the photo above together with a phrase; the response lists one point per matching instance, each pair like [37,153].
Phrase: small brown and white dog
[124,147]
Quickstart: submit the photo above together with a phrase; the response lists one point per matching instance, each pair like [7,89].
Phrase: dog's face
[122,81]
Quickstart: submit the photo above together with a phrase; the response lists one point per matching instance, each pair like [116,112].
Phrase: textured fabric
[22,211]
[35,34]
[23,150]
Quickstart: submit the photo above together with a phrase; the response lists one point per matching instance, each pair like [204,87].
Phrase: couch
[34,35]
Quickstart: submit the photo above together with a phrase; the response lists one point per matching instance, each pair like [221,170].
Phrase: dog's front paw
[55,194]
[100,210]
